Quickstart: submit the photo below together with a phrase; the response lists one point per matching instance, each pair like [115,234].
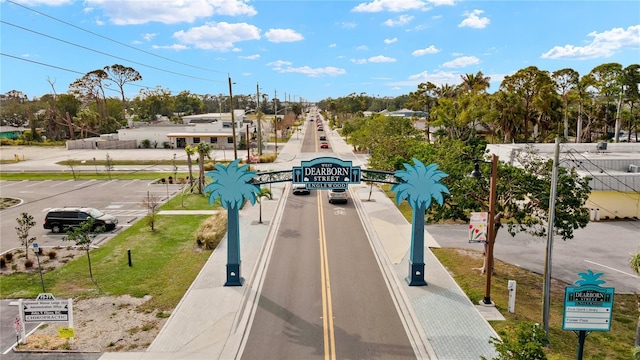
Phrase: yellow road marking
[327,307]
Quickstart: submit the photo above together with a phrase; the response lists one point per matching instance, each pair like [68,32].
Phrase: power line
[107,54]
[112,40]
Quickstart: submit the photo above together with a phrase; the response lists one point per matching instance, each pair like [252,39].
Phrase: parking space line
[83,183]
[130,182]
[37,183]
[7,183]
[62,183]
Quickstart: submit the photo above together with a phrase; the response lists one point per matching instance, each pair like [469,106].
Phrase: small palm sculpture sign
[232,184]
[420,184]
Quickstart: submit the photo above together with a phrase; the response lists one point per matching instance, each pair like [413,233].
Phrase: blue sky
[307,49]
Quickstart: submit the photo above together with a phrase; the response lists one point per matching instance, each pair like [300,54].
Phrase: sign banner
[478,227]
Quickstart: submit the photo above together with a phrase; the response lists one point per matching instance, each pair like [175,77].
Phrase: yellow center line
[327,307]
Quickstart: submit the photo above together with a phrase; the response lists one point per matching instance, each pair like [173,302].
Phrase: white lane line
[610,268]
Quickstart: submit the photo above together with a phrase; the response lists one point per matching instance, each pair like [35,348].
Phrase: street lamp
[491,230]
[233,122]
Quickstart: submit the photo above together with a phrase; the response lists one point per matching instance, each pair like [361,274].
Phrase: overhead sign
[45,310]
[588,308]
[326,173]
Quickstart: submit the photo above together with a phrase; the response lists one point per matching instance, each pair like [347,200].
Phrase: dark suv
[60,219]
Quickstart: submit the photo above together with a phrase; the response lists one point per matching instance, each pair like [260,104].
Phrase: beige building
[614,169]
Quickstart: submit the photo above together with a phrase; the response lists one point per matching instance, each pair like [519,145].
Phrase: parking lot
[121,198]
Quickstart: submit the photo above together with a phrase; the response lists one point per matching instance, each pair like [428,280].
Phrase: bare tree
[25,223]
[83,236]
[151,203]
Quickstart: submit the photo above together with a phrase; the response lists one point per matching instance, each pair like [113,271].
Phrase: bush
[52,254]
[146,144]
[8,256]
[28,264]
[3,262]
[527,341]
[211,231]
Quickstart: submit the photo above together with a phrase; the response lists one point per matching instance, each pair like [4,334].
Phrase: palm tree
[232,184]
[204,151]
[190,150]
[264,193]
[419,185]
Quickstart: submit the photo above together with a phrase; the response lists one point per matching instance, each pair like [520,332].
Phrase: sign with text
[588,308]
[45,310]
[326,173]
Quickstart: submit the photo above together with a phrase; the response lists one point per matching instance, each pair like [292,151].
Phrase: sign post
[587,307]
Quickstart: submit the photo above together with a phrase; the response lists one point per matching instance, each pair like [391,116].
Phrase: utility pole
[275,118]
[259,127]
[233,122]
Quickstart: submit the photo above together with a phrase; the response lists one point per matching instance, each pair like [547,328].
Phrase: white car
[300,189]
[337,195]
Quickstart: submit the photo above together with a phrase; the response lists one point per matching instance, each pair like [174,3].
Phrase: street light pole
[233,121]
[550,227]
[275,117]
[491,238]
[258,117]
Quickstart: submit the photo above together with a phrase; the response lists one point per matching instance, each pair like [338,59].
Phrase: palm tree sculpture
[232,185]
[420,184]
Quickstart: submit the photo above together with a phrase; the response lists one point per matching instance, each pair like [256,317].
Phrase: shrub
[28,264]
[209,166]
[52,254]
[8,256]
[211,231]
[146,144]
[3,262]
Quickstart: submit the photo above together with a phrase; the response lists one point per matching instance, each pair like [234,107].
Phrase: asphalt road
[324,292]
[601,247]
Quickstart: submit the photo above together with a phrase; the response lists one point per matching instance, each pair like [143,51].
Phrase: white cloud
[218,36]
[283,35]
[149,36]
[285,67]
[250,57]
[176,47]
[333,45]
[362,48]
[374,59]
[399,21]
[391,6]
[439,78]
[381,59]
[442,2]
[461,62]
[390,41]
[430,50]
[604,44]
[348,25]
[473,20]
[126,12]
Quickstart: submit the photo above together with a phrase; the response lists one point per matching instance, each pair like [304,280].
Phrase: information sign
[588,308]
[45,310]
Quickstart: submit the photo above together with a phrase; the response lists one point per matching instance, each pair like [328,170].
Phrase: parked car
[337,195]
[60,219]
[324,145]
[300,189]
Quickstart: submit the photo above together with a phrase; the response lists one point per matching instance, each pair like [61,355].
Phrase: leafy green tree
[25,223]
[565,81]
[187,103]
[526,342]
[122,75]
[83,237]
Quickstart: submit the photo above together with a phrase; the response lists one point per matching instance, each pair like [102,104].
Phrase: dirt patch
[101,324]
[104,324]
